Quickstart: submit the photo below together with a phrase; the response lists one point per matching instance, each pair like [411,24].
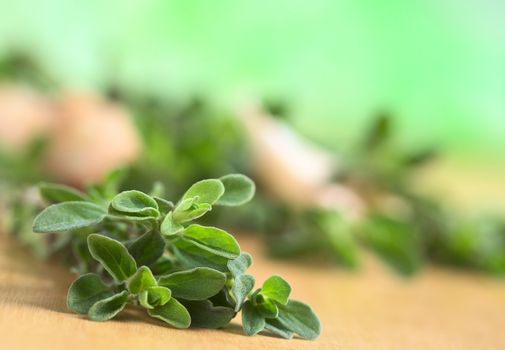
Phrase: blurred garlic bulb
[92,137]
[287,165]
[342,199]
[292,168]
[24,115]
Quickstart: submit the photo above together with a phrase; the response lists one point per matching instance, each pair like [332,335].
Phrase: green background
[439,65]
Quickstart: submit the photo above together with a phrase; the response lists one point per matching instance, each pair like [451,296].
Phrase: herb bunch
[404,228]
[141,249]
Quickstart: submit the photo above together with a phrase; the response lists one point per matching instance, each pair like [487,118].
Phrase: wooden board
[371,309]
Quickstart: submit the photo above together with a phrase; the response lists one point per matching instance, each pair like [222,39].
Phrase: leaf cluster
[144,250]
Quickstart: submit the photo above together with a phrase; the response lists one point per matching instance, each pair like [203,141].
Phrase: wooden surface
[371,309]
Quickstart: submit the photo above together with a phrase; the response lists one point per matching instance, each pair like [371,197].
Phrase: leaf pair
[242,283]
[194,286]
[89,294]
[134,204]
[157,299]
[229,190]
[270,308]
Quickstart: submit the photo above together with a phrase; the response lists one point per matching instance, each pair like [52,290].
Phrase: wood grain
[371,309]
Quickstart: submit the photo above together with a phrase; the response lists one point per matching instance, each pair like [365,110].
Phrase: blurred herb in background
[185,141]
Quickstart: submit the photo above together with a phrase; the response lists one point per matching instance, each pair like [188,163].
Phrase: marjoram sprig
[140,249]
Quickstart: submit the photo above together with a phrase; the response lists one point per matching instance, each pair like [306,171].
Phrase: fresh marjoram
[141,249]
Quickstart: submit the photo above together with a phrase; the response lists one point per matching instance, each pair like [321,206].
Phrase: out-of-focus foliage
[189,140]
[20,66]
[184,141]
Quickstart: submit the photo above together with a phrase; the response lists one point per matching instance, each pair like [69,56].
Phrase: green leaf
[186,204]
[420,157]
[158,295]
[169,227]
[158,190]
[154,296]
[113,256]
[148,248]
[164,205]
[135,202]
[276,288]
[119,215]
[274,326]
[81,252]
[239,189]
[208,191]
[379,133]
[204,314]
[85,291]
[252,321]
[143,299]
[68,216]
[340,236]
[396,242]
[141,280]
[55,193]
[173,313]
[109,188]
[191,255]
[267,308]
[106,309]
[299,318]
[198,211]
[197,284]
[239,265]
[223,298]
[242,286]
[213,240]
[163,265]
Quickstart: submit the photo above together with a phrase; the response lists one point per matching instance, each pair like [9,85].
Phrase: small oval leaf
[239,265]
[190,255]
[299,318]
[135,202]
[173,313]
[212,239]
[148,248]
[142,280]
[154,296]
[85,291]
[204,314]
[252,321]
[196,284]
[208,191]
[274,326]
[113,255]
[239,189]
[68,216]
[169,227]
[106,309]
[242,286]
[276,288]
[55,193]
